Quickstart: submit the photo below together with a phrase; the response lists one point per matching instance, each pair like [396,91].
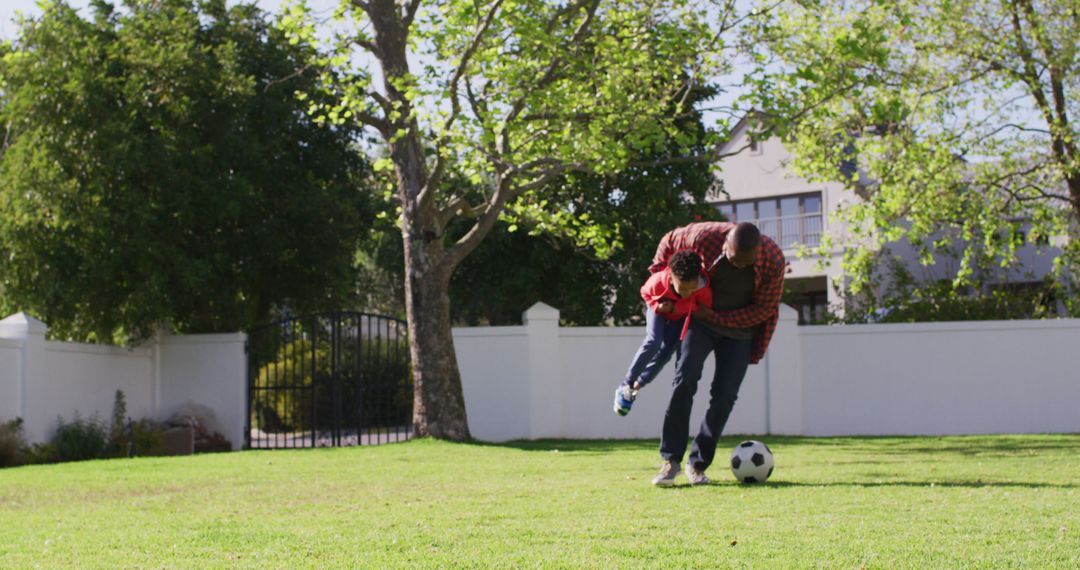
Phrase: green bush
[12,443]
[41,453]
[80,439]
[909,299]
[119,442]
[146,438]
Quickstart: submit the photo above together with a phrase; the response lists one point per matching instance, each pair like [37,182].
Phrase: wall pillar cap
[20,325]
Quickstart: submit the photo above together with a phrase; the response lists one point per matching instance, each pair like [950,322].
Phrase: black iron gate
[329,379]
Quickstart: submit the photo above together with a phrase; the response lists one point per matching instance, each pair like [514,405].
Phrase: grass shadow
[872,445]
[577,446]
[914,484]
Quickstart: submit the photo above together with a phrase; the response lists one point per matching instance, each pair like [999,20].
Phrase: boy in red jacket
[672,295]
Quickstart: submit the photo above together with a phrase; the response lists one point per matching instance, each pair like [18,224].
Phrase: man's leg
[732,359]
[691,358]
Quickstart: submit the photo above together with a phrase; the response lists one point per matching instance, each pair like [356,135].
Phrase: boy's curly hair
[685,265]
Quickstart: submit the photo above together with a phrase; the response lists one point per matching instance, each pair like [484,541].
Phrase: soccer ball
[752,462]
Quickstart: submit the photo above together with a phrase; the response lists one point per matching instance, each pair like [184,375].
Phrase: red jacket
[707,239]
[658,288]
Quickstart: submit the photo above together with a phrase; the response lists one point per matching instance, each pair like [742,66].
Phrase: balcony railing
[789,231]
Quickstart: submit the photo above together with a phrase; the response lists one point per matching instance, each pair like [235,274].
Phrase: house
[756,185]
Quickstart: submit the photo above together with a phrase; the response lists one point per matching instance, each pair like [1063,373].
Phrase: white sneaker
[666,476]
[696,477]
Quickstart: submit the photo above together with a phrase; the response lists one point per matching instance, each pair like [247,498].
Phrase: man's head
[743,245]
[685,272]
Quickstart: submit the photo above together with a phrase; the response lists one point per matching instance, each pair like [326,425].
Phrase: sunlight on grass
[987,501]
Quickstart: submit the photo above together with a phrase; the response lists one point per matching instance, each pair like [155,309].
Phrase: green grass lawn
[975,502]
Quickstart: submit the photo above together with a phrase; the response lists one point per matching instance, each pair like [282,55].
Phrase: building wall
[765,174]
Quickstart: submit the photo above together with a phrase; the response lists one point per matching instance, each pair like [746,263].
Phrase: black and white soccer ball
[752,462]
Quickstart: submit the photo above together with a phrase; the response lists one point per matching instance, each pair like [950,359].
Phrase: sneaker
[696,477]
[667,474]
[624,399]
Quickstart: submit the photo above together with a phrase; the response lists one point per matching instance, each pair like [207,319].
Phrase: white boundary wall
[41,380]
[541,380]
[544,381]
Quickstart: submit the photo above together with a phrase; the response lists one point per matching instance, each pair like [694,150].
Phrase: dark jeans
[732,359]
[661,340]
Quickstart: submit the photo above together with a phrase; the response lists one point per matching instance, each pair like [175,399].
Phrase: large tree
[962,115]
[510,95]
[157,168]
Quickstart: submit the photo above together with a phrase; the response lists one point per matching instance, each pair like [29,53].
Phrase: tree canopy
[509,96]
[158,168]
[961,115]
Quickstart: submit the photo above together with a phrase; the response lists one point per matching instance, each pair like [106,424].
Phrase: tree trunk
[438,402]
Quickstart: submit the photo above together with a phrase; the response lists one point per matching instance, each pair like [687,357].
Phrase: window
[812,305]
[789,220]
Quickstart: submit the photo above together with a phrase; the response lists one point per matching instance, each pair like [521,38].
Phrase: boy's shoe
[624,398]
[666,476]
[696,477]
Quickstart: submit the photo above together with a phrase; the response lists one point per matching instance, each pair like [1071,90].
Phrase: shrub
[146,438]
[11,443]
[80,439]
[119,442]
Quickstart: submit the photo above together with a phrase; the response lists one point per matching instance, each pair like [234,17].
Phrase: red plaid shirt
[707,239]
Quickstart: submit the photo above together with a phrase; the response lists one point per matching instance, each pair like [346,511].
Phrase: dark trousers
[732,359]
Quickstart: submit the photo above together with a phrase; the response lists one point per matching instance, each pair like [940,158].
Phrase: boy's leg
[692,354]
[650,346]
[669,341]
[732,360]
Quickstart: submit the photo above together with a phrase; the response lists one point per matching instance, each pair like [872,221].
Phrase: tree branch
[367,45]
[1064,150]
[378,123]
[457,205]
[550,74]
[363,5]
[485,221]
[410,14]
[435,177]
[381,100]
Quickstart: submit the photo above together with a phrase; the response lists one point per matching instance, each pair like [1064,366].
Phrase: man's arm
[664,252]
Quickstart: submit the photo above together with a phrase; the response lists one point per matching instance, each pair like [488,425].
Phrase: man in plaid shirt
[747,273]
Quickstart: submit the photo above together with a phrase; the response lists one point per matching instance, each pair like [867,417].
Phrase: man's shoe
[624,399]
[666,476]
[696,477]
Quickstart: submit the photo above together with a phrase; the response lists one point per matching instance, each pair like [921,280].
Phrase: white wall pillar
[31,333]
[783,378]
[545,372]
[206,369]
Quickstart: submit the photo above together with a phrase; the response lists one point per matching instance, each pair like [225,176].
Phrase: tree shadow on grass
[905,483]
[871,445]
[577,446]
